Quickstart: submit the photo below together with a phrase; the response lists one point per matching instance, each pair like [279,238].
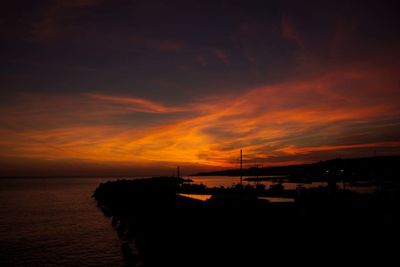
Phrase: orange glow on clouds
[276,124]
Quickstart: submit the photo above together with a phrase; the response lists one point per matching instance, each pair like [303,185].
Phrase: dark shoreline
[234,226]
[350,169]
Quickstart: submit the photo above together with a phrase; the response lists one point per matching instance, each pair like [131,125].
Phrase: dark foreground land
[323,226]
[372,169]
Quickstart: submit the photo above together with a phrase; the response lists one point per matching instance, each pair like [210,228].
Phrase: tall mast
[241,167]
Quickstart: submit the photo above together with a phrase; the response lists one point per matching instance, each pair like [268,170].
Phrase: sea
[55,222]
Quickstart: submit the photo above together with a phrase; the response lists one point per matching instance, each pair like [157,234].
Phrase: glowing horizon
[279,86]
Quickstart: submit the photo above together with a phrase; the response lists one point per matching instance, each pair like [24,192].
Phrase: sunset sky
[130,87]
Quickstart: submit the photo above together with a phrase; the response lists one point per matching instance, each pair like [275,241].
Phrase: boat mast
[241,167]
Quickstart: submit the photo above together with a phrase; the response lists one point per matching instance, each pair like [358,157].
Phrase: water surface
[54,222]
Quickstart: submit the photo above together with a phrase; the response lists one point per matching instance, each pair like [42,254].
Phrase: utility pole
[178,172]
[256,167]
[241,167]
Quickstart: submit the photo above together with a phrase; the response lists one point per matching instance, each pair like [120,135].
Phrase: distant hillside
[372,168]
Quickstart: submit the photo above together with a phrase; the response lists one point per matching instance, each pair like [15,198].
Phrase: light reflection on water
[197,196]
[54,222]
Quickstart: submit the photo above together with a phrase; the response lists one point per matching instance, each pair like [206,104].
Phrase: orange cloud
[306,150]
[271,122]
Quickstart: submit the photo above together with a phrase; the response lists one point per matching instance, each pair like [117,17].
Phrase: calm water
[54,222]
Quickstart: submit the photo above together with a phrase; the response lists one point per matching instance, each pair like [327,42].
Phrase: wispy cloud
[137,104]
[221,55]
[293,150]
[286,122]
[290,33]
